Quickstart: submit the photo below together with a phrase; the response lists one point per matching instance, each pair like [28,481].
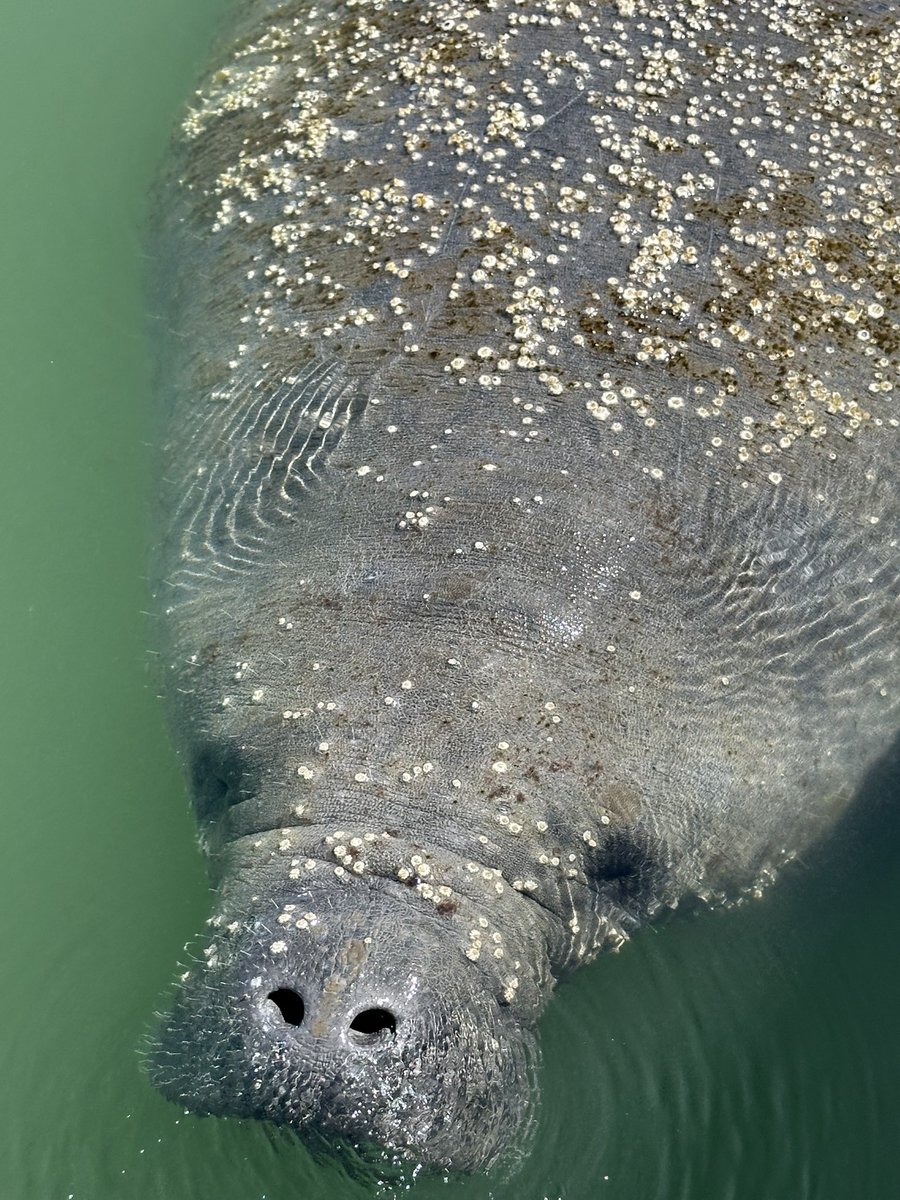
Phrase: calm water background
[746,1055]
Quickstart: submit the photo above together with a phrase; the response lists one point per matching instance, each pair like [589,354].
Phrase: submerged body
[530,519]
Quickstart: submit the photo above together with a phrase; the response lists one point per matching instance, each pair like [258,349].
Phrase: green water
[750,1055]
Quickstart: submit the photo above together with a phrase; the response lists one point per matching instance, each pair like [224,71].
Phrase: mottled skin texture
[529,554]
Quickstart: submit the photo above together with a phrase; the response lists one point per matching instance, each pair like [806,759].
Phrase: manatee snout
[356,1021]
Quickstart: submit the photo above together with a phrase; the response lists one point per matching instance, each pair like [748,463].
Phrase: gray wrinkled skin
[529,543]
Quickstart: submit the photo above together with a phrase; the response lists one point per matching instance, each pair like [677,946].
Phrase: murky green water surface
[746,1055]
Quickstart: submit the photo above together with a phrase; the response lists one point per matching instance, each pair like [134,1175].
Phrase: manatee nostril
[289,1004]
[373,1023]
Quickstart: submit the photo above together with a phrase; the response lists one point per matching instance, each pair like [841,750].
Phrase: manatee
[527,556]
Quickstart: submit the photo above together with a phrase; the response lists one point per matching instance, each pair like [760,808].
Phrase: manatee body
[529,516]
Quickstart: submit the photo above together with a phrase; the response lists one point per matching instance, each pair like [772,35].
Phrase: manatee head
[353,1013]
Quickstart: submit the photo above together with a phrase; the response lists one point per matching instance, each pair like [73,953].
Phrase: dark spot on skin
[220,778]
[447,907]
[627,867]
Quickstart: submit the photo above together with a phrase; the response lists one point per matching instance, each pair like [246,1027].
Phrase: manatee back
[551,349]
